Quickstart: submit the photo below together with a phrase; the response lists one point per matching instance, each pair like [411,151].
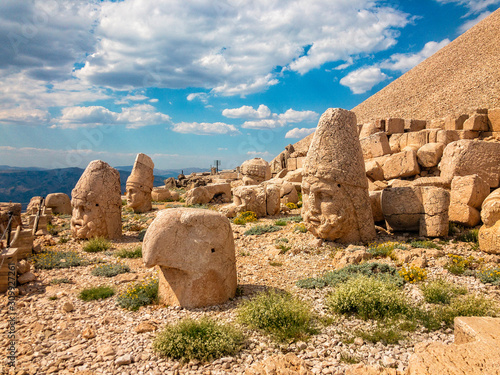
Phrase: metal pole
[9,227]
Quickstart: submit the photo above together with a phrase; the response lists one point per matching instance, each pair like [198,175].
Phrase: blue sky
[188,82]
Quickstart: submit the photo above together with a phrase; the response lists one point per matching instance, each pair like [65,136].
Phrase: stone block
[447,136]
[455,123]
[375,145]
[402,164]
[291,164]
[394,125]
[430,154]
[374,170]
[395,141]
[471,190]
[494,119]
[436,124]
[412,125]
[300,161]
[417,139]
[477,122]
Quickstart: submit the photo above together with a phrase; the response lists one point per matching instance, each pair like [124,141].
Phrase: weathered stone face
[96,203]
[59,202]
[489,234]
[336,205]
[255,171]
[194,249]
[140,184]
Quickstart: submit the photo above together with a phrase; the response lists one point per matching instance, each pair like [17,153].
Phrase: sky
[191,82]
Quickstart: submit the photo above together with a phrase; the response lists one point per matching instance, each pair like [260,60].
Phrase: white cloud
[205,128]
[222,149]
[404,62]
[259,154]
[299,133]
[24,116]
[292,116]
[134,117]
[363,79]
[247,111]
[263,124]
[232,47]
[201,96]
[133,98]
[474,6]
[467,25]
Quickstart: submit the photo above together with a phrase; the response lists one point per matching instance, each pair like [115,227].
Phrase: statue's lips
[77,223]
[314,220]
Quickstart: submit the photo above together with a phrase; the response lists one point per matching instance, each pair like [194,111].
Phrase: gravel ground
[97,337]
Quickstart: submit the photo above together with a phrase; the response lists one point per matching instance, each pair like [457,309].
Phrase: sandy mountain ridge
[459,78]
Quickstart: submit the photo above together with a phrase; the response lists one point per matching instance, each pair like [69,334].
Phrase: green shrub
[57,259]
[281,315]
[110,270]
[301,228]
[64,280]
[336,277]
[385,249]
[96,245]
[470,235]
[489,275]
[412,274]
[280,244]
[281,222]
[131,254]
[441,291]
[261,229]
[381,333]
[63,239]
[458,265]
[100,292]
[295,219]
[53,230]
[275,264]
[140,294]
[202,340]
[141,235]
[425,245]
[245,217]
[469,305]
[369,298]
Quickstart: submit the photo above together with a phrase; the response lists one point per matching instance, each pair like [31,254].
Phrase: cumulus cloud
[474,6]
[467,25]
[292,116]
[231,47]
[363,79]
[201,96]
[259,154]
[263,124]
[299,132]
[24,116]
[205,128]
[134,117]
[247,111]
[404,62]
[132,98]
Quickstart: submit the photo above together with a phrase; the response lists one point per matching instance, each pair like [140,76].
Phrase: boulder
[402,164]
[467,157]
[294,176]
[161,194]
[447,136]
[467,195]
[97,203]
[59,202]
[280,364]
[368,129]
[376,204]
[489,233]
[288,193]
[430,154]
[336,205]
[263,199]
[374,170]
[194,250]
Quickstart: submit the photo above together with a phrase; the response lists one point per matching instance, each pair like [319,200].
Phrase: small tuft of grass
[458,265]
[141,294]
[333,278]
[57,259]
[425,245]
[281,222]
[52,298]
[349,358]
[412,274]
[63,239]
[130,254]
[489,276]
[381,333]
[261,229]
[284,317]
[280,244]
[301,228]
[275,264]
[202,340]
[468,305]
[92,294]
[110,270]
[96,245]
[64,280]
[470,235]
[385,249]
[441,291]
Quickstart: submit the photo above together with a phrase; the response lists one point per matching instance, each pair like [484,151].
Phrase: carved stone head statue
[96,203]
[140,184]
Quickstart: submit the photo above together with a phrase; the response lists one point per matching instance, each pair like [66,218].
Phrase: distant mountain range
[21,184]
